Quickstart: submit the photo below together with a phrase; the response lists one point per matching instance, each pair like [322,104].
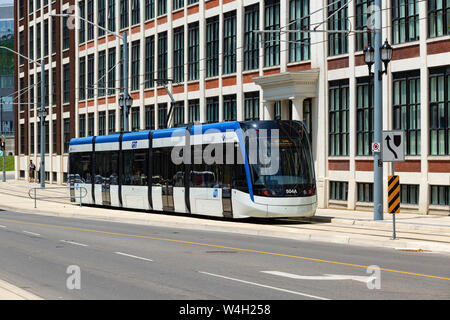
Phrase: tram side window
[227,169]
[135,168]
[80,167]
[107,167]
[165,172]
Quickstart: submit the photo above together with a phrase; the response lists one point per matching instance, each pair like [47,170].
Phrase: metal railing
[33,193]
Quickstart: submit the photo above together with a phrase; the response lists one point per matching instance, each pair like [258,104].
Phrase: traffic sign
[376,147]
[394,194]
[393,146]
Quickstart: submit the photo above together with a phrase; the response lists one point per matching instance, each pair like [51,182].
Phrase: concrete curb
[11,292]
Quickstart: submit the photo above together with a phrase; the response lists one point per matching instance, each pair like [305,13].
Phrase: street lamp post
[125,103]
[42,114]
[125,58]
[375,57]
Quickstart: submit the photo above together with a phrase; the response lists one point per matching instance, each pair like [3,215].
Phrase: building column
[269,110]
[285,110]
[297,109]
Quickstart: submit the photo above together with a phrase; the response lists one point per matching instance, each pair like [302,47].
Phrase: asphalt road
[50,256]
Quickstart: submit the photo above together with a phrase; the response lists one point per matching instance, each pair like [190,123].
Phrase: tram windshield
[279,156]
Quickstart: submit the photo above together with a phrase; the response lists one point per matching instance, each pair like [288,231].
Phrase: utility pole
[378,116]
[125,81]
[42,115]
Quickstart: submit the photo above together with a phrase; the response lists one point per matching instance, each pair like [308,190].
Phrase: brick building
[223,71]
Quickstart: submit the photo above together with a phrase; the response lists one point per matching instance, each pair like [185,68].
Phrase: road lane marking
[223,247]
[132,256]
[2,226]
[333,277]
[265,286]
[74,243]
[31,233]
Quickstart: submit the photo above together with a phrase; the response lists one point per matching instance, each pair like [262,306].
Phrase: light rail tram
[210,169]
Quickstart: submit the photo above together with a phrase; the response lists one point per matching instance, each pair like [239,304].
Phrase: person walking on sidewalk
[31,171]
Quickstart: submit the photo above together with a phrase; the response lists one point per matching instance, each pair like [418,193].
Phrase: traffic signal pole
[378,117]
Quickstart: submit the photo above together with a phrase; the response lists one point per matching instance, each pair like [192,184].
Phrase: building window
[111,122]
[149,9]
[111,71]
[405,21]
[91,125]
[54,142]
[124,14]
[101,16]
[362,18]
[66,134]
[178,55]
[407,109]
[162,115]
[21,47]
[192,1]
[135,119]
[251,39]
[135,12]
[150,117]
[135,64]
[178,114]
[90,17]
[38,41]
[212,109]
[409,194]
[22,139]
[229,108]
[82,30]
[338,15]
[338,190]
[112,15]
[440,195]
[364,117]
[150,62]
[438,18]
[162,7]
[162,55]
[82,125]
[101,83]
[177,4]
[194,111]
[102,123]
[212,47]
[299,20]
[251,106]
[54,26]
[31,42]
[32,151]
[339,118]
[272,40]
[229,42]
[66,83]
[82,79]
[440,111]
[194,52]
[90,76]
[365,192]
[46,38]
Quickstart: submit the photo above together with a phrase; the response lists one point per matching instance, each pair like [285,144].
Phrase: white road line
[75,243]
[2,226]
[266,286]
[131,256]
[31,233]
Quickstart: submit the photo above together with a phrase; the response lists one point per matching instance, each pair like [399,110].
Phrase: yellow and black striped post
[394,194]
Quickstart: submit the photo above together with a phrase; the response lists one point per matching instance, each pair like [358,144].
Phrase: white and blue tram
[141,170]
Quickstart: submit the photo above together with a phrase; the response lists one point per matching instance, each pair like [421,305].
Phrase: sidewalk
[414,232]
[10,292]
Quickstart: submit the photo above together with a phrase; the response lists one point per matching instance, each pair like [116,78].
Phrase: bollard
[35,198]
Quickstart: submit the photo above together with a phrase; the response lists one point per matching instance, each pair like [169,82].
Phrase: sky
[6,2]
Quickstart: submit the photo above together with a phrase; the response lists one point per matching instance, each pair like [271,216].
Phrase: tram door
[163,177]
[106,192]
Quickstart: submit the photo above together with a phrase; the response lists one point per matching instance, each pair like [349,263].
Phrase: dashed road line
[132,256]
[31,233]
[74,243]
